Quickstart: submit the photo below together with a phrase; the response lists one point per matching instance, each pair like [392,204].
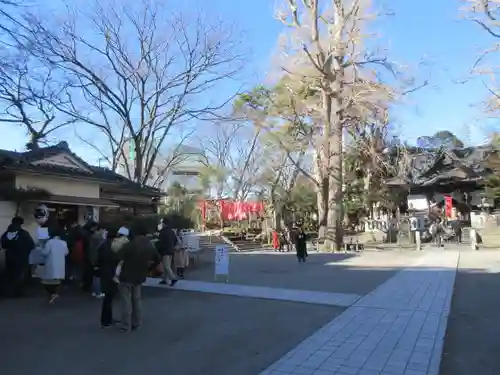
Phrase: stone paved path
[398,329]
[305,296]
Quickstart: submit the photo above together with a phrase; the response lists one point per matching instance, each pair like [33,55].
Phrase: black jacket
[107,262]
[86,236]
[300,241]
[166,242]
[139,256]
[18,244]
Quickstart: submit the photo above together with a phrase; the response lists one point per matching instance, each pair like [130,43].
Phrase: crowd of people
[106,262]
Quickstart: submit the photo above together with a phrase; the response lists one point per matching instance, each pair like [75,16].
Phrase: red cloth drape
[448,205]
[232,210]
[276,242]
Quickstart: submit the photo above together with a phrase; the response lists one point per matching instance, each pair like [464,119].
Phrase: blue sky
[429,29]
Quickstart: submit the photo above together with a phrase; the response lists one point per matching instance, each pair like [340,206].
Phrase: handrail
[229,242]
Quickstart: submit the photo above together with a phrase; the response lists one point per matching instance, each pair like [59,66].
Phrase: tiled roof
[440,166]
[23,161]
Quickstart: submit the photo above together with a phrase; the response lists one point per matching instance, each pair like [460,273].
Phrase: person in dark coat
[88,231]
[138,257]
[17,244]
[300,241]
[73,238]
[166,246]
[107,263]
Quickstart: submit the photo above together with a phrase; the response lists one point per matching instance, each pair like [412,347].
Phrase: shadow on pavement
[182,333]
[193,333]
[325,272]
[472,342]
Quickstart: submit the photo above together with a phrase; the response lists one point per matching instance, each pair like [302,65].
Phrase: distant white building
[185,169]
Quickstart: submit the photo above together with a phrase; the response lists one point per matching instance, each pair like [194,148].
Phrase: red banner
[234,210]
[448,206]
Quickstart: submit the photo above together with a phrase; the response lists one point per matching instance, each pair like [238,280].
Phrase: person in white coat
[54,271]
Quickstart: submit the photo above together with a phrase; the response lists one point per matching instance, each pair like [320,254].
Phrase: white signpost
[221,263]
[417,225]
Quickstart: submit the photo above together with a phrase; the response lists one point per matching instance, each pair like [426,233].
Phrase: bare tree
[29,97]
[7,19]
[27,88]
[232,158]
[233,161]
[245,161]
[279,177]
[139,73]
[325,52]
[218,149]
[215,176]
[486,13]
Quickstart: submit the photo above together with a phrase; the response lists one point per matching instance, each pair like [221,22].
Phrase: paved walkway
[398,329]
[305,296]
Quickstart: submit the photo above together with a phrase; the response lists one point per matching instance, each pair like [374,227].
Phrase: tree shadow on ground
[327,272]
[472,341]
[178,320]
[183,333]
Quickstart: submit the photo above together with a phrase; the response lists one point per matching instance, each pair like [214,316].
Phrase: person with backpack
[166,245]
[17,243]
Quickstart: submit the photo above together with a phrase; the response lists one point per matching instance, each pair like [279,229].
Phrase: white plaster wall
[59,186]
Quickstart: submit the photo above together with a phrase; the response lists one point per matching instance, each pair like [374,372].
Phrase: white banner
[221,260]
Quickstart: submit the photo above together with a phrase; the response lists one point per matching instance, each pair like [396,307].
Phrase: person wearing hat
[121,239]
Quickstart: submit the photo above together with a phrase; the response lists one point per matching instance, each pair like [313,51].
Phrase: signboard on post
[221,262]
[417,223]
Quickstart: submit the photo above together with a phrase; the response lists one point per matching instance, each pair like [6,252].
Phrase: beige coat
[181,258]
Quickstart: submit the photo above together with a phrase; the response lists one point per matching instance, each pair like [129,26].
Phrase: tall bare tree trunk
[276,218]
[367,202]
[332,149]
[323,205]
[335,207]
